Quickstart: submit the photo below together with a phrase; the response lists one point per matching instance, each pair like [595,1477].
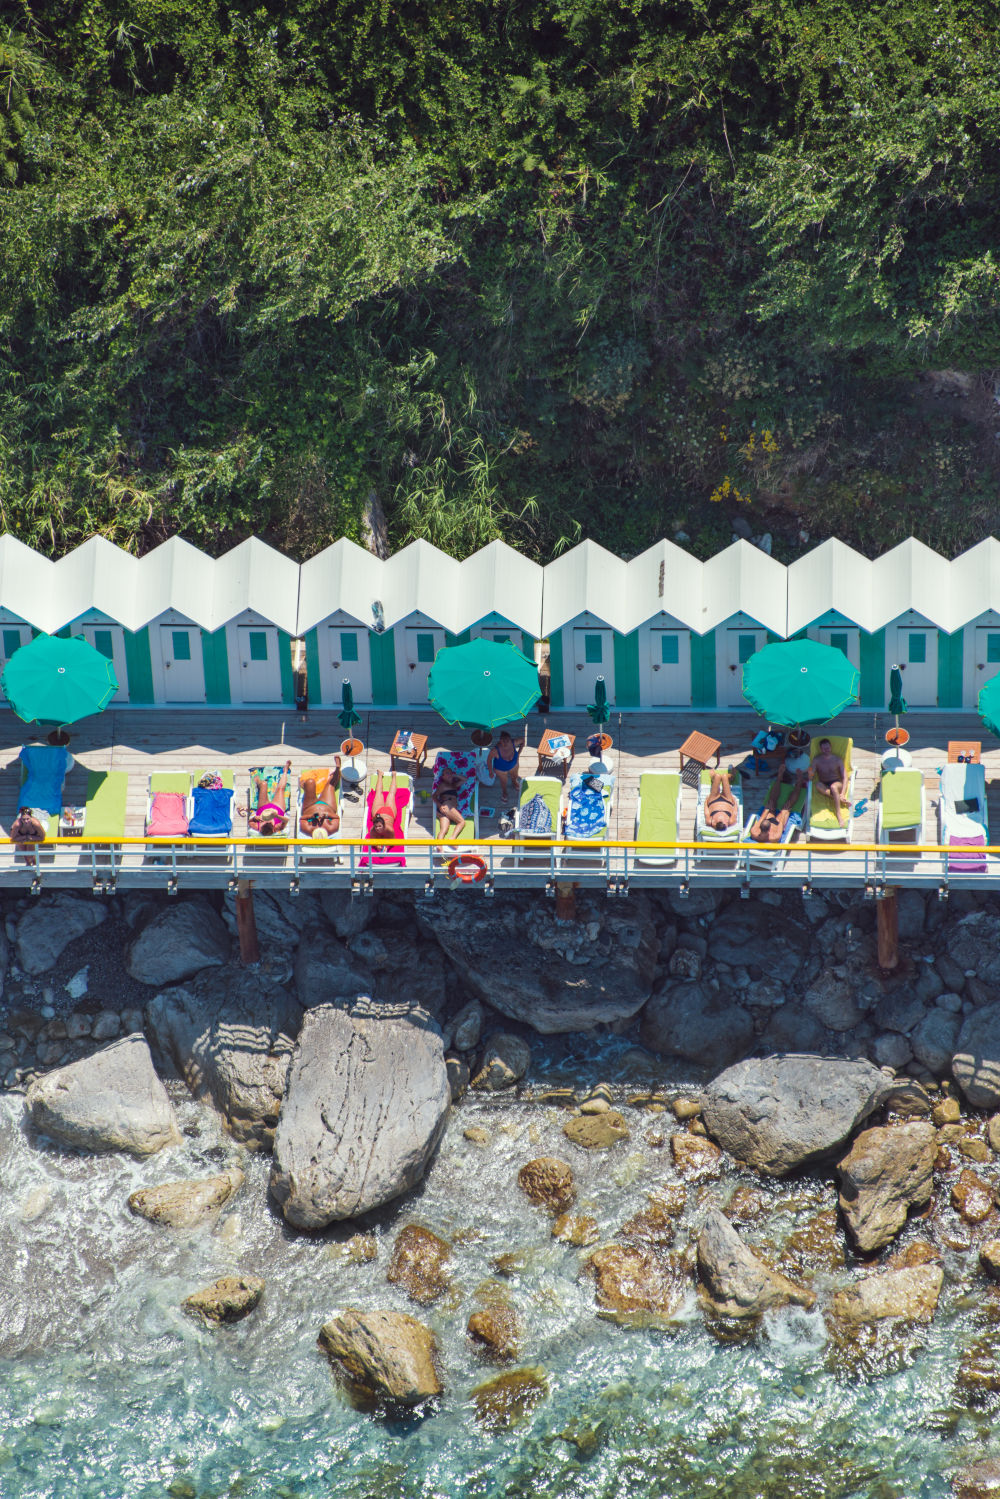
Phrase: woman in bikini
[721,806]
[503,758]
[446,801]
[269,816]
[319,817]
[386,817]
[770,826]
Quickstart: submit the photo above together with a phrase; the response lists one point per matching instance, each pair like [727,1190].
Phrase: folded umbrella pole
[347,716]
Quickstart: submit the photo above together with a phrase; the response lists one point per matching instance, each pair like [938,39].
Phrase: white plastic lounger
[657,815]
[584,829]
[963,818]
[705,834]
[550,789]
[901,807]
[774,855]
[821,819]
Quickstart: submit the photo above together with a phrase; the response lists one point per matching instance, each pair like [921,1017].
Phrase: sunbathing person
[446,800]
[722,810]
[503,758]
[268,815]
[41,796]
[772,823]
[386,814]
[319,817]
[827,769]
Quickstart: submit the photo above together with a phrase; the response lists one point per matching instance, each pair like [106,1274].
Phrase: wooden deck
[140,741]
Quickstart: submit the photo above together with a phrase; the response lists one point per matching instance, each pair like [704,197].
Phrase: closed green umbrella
[598,709]
[54,680]
[483,684]
[989,705]
[800,682]
[347,716]
[897,702]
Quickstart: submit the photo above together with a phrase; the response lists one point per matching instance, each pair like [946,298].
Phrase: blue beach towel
[213,814]
[45,769]
[587,815]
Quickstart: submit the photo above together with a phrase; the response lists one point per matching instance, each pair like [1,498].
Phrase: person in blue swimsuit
[503,758]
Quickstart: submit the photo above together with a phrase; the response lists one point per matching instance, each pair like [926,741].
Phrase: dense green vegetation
[530,268]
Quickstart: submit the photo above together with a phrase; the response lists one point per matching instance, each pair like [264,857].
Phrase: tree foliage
[520,268]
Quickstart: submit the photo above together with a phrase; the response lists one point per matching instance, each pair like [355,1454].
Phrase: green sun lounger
[657,815]
[107,796]
[901,807]
[170,780]
[550,790]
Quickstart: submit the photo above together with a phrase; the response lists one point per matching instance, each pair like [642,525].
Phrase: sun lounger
[210,812]
[963,817]
[550,789]
[657,815]
[323,775]
[705,834]
[271,775]
[466,795]
[585,817]
[821,819]
[390,853]
[900,807]
[107,798]
[44,768]
[773,854]
[167,802]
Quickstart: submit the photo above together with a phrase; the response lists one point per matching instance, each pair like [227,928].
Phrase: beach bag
[535,816]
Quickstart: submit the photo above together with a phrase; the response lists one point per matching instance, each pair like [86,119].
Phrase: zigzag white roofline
[498,581]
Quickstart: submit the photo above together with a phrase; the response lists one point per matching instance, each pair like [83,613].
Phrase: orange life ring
[469,868]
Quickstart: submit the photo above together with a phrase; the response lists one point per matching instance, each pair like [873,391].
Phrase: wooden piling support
[246,923]
[565,901]
[888,932]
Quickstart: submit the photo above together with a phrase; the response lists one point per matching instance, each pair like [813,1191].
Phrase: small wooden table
[558,759]
[700,748]
[412,757]
[969,749]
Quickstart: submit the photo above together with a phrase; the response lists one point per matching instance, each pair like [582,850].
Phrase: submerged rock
[229,1299]
[553,975]
[579,1232]
[886,1172]
[971,1197]
[980,1481]
[496,1331]
[507,1399]
[596,1131]
[909,1294]
[230,1036]
[548,1182]
[50,924]
[367,1099]
[737,1283]
[388,1355]
[654,1225]
[636,1286]
[420,1264]
[696,1158]
[777,1113]
[181,940]
[989,1257]
[112,1100]
[185,1204]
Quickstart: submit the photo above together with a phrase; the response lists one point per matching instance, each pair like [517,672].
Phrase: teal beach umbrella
[598,709]
[347,716]
[53,680]
[989,705]
[483,684]
[800,682]
[897,702]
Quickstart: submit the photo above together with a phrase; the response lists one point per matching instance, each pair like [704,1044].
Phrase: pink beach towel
[386,853]
[167,815]
[967,863]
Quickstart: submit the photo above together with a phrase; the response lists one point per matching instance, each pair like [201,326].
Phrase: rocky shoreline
[344,1053]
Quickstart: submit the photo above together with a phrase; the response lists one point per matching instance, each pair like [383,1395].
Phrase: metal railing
[614,864]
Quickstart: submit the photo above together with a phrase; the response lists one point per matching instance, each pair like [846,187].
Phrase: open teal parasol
[347,716]
[598,709]
[800,682]
[483,684]
[989,705]
[54,680]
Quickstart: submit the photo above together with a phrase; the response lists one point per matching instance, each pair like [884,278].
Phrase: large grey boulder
[909,1294]
[348,913]
[687,1020]
[553,975]
[737,1283]
[230,1035]
[976,1062]
[112,1100]
[181,940]
[833,998]
[748,933]
[886,1172]
[50,924]
[279,917]
[934,1040]
[326,972]
[367,1099]
[974,946]
[776,1113]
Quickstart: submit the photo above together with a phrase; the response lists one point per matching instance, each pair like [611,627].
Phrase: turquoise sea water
[108,1390]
